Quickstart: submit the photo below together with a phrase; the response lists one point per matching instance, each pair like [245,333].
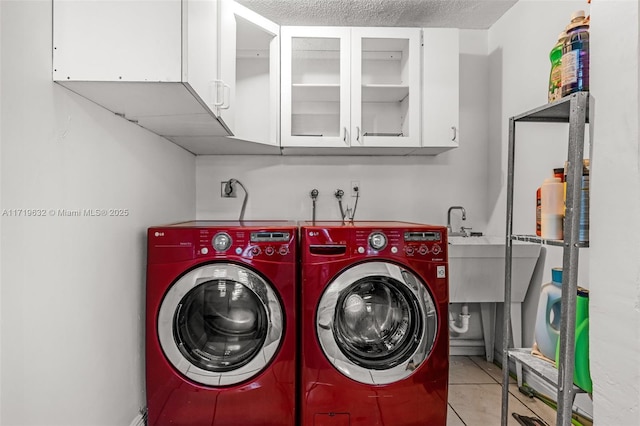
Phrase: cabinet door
[385,87]
[315,86]
[441,68]
[249,85]
[200,48]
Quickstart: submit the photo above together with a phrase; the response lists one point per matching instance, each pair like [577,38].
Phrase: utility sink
[476,275]
[476,268]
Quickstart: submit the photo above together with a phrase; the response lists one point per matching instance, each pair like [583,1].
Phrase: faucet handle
[465,231]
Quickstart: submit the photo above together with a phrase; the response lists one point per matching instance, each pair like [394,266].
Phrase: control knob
[221,241]
[377,241]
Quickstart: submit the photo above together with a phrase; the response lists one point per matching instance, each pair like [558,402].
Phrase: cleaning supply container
[555,76]
[575,55]
[547,327]
[551,194]
[581,372]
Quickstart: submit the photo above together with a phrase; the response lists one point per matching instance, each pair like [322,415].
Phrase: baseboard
[140,419]
[466,350]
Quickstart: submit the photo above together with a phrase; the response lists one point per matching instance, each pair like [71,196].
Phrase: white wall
[519,44]
[615,188]
[393,188]
[72,295]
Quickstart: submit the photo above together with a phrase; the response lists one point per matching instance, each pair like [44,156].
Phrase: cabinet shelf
[555,112]
[384,92]
[541,368]
[546,241]
[315,92]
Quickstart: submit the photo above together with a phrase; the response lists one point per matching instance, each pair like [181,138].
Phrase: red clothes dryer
[221,324]
[374,337]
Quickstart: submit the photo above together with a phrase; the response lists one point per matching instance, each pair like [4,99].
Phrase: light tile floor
[475,395]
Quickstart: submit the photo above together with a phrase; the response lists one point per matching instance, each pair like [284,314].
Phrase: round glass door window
[376,322]
[220,324]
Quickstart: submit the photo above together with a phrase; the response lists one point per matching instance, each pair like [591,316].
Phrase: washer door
[376,322]
[220,324]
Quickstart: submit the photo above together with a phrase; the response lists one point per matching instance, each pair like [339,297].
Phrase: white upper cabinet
[350,90]
[249,74]
[155,63]
[440,85]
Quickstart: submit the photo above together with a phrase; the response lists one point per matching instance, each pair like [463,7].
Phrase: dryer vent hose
[229,190]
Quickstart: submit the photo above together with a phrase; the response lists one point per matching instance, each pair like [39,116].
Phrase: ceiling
[467,14]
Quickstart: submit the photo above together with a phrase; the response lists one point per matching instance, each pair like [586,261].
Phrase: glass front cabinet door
[385,87]
[315,87]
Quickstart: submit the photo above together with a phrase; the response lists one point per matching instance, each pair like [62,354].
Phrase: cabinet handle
[455,133]
[358,135]
[344,137]
[226,94]
[216,85]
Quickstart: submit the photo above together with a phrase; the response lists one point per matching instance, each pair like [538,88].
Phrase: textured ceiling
[469,14]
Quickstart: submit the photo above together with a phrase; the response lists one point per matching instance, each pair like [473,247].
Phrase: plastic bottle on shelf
[555,76]
[581,372]
[552,213]
[575,55]
[547,328]
[583,233]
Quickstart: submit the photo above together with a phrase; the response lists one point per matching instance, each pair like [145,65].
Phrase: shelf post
[566,362]
[506,310]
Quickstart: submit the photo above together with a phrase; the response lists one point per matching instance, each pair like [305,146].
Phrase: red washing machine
[221,324]
[375,343]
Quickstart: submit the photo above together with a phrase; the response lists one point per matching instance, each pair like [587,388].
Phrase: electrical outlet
[355,188]
[225,187]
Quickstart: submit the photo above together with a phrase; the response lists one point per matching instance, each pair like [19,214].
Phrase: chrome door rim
[212,272]
[325,322]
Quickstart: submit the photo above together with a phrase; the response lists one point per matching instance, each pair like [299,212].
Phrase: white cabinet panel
[133,40]
[199,47]
[441,71]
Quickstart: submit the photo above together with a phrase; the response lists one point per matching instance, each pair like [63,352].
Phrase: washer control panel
[277,245]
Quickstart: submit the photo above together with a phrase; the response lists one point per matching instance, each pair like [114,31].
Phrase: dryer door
[376,322]
[220,324]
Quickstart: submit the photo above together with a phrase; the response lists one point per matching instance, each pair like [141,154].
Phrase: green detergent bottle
[581,373]
[555,76]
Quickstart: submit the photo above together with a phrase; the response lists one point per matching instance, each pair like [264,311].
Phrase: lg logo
[159,234]
[314,233]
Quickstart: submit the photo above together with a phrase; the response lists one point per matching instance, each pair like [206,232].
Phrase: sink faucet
[462,231]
